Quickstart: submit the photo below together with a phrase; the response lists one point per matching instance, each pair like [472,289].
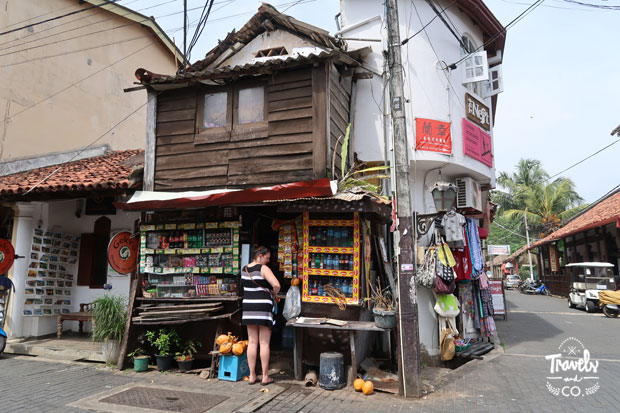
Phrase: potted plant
[383,308]
[166,341]
[109,318]
[185,357]
[140,359]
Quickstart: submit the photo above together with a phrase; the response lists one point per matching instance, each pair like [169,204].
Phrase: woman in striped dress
[258,284]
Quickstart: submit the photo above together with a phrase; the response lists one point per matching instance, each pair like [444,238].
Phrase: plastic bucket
[141,363]
[384,318]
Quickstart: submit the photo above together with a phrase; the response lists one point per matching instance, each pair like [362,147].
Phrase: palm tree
[547,206]
[528,173]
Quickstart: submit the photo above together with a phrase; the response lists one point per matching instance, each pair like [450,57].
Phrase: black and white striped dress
[257,303]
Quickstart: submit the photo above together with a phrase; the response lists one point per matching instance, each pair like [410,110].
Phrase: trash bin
[331,371]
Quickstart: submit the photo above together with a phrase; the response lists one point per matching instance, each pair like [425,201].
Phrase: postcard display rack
[51,271]
[331,255]
[191,259]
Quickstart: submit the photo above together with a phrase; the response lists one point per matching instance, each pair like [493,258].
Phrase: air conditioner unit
[468,194]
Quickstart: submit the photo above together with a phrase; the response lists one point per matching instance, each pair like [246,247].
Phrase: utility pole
[184,35]
[408,337]
[527,237]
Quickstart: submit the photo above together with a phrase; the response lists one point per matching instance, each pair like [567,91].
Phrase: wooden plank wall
[285,155]
[339,104]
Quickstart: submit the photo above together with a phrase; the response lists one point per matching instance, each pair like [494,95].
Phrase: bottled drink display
[331,261]
[331,236]
[317,285]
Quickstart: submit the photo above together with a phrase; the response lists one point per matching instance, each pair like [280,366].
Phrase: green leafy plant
[109,318]
[356,178]
[166,341]
[138,352]
[190,347]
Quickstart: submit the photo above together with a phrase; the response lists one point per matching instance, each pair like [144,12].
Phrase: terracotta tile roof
[602,213]
[100,173]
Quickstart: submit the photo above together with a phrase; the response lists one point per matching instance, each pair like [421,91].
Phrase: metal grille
[167,400]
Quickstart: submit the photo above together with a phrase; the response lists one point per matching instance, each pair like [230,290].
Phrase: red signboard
[432,135]
[477,143]
[123,252]
[7,255]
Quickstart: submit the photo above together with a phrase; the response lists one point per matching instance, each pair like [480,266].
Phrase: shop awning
[154,200]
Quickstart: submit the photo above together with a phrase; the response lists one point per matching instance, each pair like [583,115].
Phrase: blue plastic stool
[233,368]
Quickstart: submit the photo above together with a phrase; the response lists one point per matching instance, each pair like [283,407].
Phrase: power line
[512,232]
[501,32]
[426,25]
[74,28]
[437,56]
[62,16]
[584,159]
[89,145]
[202,20]
[119,42]
[75,37]
[74,83]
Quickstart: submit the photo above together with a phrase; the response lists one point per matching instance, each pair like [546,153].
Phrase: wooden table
[351,327]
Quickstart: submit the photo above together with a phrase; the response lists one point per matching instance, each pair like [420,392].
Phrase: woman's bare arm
[271,279]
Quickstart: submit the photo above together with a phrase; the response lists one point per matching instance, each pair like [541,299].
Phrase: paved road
[510,382]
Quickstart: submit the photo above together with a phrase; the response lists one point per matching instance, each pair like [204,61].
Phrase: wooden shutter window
[85,265]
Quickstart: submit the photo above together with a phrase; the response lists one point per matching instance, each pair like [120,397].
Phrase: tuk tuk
[587,279]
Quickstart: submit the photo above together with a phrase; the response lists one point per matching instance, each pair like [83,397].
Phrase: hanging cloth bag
[445,263]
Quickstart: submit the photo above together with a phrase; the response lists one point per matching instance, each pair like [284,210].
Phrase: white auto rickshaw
[588,278]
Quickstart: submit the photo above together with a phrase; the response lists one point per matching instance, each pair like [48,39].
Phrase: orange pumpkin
[238,349]
[221,339]
[368,387]
[295,281]
[226,347]
[358,384]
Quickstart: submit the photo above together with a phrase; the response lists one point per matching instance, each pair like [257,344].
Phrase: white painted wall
[59,216]
[430,91]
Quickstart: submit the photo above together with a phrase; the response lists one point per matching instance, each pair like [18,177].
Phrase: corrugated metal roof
[277,61]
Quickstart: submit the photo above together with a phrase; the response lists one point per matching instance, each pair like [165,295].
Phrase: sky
[560,69]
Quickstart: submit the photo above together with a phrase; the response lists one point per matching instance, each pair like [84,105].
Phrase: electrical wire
[501,32]
[426,25]
[89,145]
[514,233]
[437,56]
[119,42]
[74,84]
[202,21]
[62,16]
[90,24]
[583,160]
[595,6]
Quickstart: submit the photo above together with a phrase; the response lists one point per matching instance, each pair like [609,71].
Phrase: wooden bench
[83,315]
[351,327]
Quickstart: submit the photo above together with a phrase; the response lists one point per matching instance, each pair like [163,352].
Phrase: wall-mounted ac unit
[468,194]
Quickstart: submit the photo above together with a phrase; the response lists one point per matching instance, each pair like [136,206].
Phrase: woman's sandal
[267,383]
[253,382]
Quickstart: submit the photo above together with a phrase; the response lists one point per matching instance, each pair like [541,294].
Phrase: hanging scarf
[474,244]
